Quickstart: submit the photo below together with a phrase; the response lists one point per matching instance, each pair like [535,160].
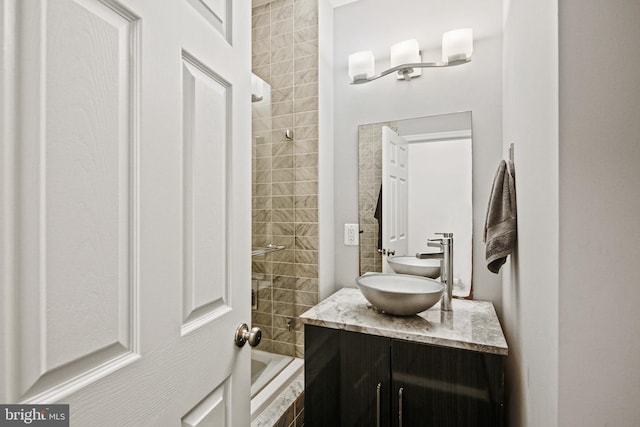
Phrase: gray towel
[500,227]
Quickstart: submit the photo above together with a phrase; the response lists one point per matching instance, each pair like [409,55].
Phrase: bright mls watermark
[34,415]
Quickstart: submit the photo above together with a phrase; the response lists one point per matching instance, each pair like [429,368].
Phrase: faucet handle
[434,243]
[445,235]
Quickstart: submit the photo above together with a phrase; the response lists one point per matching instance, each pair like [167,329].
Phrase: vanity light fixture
[406,62]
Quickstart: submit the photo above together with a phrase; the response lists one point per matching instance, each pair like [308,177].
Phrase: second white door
[395,151]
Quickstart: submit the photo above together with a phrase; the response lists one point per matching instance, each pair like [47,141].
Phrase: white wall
[477,87]
[325,149]
[530,285]
[570,304]
[599,336]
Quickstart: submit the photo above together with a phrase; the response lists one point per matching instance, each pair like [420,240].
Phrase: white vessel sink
[417,267]
[400,294]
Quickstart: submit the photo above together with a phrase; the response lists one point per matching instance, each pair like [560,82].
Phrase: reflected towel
[378,215]
[500,227]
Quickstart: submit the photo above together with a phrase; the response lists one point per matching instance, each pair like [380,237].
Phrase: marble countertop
[472,325]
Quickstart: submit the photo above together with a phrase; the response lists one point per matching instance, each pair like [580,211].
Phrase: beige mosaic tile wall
[369,182]
[285,210]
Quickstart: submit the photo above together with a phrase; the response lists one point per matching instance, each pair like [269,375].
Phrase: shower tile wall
[285,211]
[369,182]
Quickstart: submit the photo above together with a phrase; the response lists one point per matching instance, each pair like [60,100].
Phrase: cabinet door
[347,379]
[365,382]
[445,387]
[322,376]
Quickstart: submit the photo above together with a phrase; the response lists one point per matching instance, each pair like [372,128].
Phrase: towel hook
[511,152]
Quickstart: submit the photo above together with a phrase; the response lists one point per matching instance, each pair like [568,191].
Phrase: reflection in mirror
[427,164]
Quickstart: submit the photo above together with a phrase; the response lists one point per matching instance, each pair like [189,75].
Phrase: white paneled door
[395,203]
[125,209]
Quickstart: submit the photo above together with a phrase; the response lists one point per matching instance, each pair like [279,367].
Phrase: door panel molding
[218,13]
[77,185]
[212,410]
[205,193]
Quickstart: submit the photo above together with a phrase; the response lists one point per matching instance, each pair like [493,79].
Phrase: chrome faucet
[446,265]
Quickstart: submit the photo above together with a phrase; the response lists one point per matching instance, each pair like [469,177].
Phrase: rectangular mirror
[427,163]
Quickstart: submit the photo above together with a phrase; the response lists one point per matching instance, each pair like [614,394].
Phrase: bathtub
[270,375]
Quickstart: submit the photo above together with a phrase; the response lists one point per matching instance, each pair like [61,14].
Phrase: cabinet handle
[378,404]
[400,407]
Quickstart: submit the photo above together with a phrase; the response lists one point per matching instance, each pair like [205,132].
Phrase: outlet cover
[351,234]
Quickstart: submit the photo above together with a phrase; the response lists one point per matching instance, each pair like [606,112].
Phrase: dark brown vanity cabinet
[355,379]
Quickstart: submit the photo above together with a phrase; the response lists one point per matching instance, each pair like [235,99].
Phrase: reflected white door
[125,209]
[395,174]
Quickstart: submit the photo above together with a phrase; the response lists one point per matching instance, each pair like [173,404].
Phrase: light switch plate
[351,234]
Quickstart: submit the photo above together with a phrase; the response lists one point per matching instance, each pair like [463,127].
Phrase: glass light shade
[361,65]
[406,52]
[457,45]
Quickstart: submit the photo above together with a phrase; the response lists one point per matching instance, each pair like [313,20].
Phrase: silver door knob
[244,335]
